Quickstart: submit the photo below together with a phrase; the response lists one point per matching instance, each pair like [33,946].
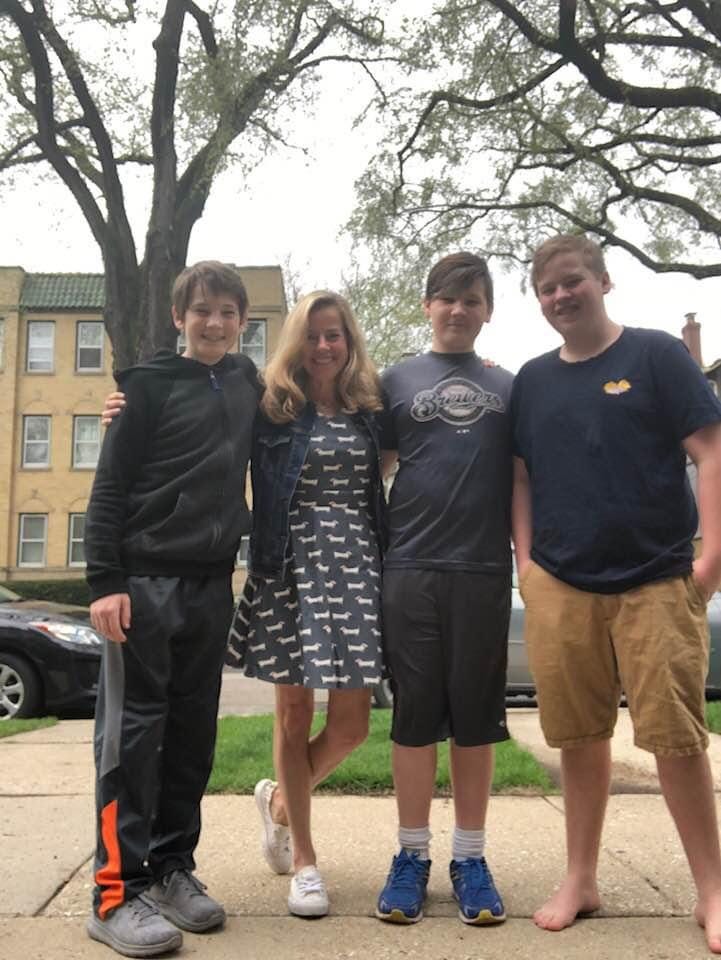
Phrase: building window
[241,558]
[33,538]
[41,346]
[89,353]
[86,442]
[76,540]
[252,342]
[36,442]
[2,343]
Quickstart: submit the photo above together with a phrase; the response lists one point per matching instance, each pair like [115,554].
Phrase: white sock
[415,840]
[468,843]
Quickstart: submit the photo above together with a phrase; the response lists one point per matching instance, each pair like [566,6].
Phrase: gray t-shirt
[448,417]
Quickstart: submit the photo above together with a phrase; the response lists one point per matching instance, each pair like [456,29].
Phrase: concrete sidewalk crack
[676,908]
[61,886]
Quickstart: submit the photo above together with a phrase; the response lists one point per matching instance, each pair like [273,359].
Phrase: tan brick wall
[11,280]
[59,489]
[267,299]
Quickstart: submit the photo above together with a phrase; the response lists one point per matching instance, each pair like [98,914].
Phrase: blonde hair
[568,243]
[286,381]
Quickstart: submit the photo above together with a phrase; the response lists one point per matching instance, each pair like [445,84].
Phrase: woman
[309,617]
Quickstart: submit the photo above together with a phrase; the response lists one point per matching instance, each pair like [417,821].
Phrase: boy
[164,521]
[603,521]
[446,587]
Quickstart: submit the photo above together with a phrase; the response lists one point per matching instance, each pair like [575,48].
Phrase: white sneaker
[308,896]
[275,840]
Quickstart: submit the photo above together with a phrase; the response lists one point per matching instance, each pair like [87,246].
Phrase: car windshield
[7,596]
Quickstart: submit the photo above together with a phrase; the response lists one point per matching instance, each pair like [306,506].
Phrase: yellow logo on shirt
[616,387]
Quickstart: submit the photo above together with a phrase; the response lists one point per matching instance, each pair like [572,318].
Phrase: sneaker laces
[475,874]
[187,881]
[142,907]
[309,883]
[406,872]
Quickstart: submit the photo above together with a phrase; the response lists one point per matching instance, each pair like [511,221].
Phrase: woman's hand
[114,403]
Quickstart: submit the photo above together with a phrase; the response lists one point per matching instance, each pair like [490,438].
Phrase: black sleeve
[686,396]
[387,428]
[121,458]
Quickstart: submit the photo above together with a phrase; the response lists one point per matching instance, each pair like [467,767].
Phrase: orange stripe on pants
[112,888]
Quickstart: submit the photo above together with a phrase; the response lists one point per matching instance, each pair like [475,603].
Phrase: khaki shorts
[584,648]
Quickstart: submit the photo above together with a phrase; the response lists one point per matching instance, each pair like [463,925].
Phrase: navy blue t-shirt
[602,442]
[447,415]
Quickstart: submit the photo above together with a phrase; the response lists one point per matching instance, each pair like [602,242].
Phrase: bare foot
[708,916]
[566,904]
[277,808]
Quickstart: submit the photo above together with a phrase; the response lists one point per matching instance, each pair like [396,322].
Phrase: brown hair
[567,243]
[212,277]
[357,385]
[457,272]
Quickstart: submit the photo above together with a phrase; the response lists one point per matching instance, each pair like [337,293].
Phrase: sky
[292,207]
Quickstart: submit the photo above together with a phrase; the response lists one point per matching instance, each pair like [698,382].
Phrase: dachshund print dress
[319,624]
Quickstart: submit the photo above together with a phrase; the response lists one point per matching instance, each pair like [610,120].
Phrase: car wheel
[383,694]
[19,688]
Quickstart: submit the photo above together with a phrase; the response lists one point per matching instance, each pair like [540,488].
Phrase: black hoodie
[169,491]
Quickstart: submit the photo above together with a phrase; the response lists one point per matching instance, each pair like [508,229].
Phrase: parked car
[519,682]
[49,660]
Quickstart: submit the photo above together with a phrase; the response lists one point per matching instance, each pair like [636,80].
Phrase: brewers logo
[455,401]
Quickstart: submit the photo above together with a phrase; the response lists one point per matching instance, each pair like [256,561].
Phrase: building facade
[56,367]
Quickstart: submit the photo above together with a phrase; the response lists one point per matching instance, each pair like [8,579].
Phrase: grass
[8,728]
[713,716]
[243,756]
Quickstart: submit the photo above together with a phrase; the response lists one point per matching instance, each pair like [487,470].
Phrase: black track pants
[155,725]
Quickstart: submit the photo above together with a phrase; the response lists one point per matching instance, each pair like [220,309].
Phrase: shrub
[74,592]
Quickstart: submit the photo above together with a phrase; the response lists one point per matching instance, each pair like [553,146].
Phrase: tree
[602,116]
[386,297]
[74,102]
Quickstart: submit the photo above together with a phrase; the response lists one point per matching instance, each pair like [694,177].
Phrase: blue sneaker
[401,900]
[473,887]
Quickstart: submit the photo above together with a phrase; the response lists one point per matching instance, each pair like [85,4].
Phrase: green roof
[63,291]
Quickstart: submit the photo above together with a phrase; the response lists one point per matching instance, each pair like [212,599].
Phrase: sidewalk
[46,818]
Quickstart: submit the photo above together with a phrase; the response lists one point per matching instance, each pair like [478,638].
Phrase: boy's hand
[111,616]
[114,403]
[706,578]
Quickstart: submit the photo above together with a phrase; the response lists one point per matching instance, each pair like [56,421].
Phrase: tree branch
[194,183]
[443,96]
[99,12]
[111,186]
[586,225]
[616,91]
[45,117]
[205,28]
[12,154]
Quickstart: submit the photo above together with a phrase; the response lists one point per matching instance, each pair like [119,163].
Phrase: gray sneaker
[182,899]
[136,929]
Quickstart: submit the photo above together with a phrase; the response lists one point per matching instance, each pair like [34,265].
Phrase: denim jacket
[279,452]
